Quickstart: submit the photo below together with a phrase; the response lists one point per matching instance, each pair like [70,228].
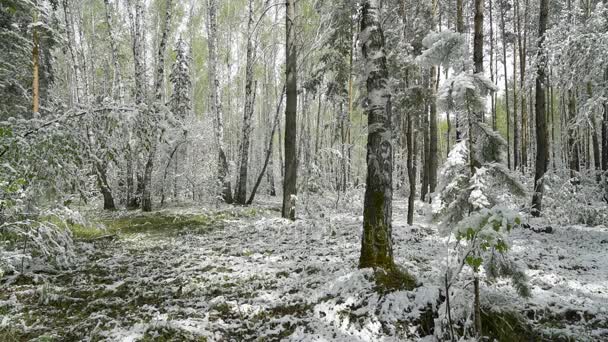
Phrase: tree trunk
[241,192]
[376,243]
[35,70]
[459,29]
[605,125]
[504,63]
[542,149]
[573,144]
[291,157]
[268,159]
[116,79]
[515,116]
[216,104]
[106,192]
[146,200]
[493,99]
[433,152]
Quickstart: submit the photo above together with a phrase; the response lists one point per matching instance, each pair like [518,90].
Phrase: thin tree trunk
[268,157]
[504,63]
[116,79]
[515,116]
[434,145]
[146,199]
[573,144]
[36,67]
[241,192]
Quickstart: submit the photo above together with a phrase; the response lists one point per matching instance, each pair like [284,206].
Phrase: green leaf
[474,262]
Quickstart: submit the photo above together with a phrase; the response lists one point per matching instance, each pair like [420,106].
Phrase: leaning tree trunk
[291,157]
[241,191]
[376,243]
[104,187]
[542,149]
[146,198]
[215,102]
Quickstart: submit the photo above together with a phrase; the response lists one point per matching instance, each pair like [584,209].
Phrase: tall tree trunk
[36,67]
[493,99]
[595,144]
[116,79]
[605,124]
[241,192]
[573,143]
[504,63]
[215,101]
[434,144]
[376,243]
[515,116]
[291,157]
[426,148]
[76,67]
[459,29]
[478,61]
[521,43]
[542,150]
[146,198]
[268,158]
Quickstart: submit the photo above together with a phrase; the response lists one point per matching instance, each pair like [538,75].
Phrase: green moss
[394,278]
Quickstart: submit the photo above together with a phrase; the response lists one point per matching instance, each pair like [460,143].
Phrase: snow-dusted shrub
[574,202]
[33,242]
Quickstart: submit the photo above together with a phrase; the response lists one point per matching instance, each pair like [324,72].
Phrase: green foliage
[485,233]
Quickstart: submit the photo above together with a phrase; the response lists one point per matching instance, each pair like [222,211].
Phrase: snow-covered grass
[227,273]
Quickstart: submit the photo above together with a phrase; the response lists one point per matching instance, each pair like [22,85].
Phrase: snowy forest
[304,170]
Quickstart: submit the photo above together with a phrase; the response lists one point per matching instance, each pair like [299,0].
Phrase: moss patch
[393,279]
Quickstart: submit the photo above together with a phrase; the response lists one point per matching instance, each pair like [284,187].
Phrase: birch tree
[241,190]
[215,102]
[154,139]
[377,243]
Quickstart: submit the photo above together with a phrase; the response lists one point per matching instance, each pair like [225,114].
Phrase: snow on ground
[251,275]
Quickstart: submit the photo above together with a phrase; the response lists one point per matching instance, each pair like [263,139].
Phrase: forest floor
[231,273]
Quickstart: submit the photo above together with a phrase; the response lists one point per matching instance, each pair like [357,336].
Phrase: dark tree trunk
[542,146]
[291,156]
[376,243]
[504,63]
[515,116]
[573,144]
[241,191]
[434,145]
[268,157]
[104,187]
